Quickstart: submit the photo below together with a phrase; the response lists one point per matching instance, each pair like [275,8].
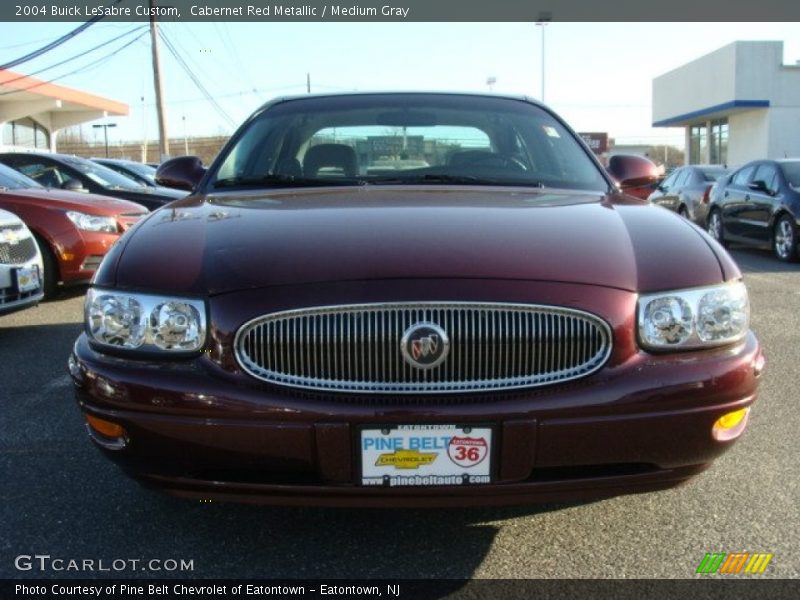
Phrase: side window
[42,173]
[682,178]
[743,176]
[768,174]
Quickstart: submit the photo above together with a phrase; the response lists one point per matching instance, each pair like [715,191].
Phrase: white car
[20,265]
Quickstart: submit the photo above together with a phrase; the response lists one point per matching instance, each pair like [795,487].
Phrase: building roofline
[683,120]
[25,83]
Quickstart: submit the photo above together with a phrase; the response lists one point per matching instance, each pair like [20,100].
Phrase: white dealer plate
[419,455]
[27,279]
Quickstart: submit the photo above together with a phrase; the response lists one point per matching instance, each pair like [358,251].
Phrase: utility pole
[308,83]
[163,140]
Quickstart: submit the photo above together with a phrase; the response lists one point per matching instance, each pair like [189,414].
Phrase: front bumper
[194,430]
[11,299]
[79,253]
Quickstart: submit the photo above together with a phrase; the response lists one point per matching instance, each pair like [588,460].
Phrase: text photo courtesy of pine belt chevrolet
[413,299]
[73,230]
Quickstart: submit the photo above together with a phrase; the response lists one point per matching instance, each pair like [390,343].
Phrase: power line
[195,80]
[79,55]
[86,67]
[56,43]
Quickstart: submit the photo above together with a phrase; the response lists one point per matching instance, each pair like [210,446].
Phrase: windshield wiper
[281,180]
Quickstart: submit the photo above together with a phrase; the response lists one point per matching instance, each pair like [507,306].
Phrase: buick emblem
[424,345]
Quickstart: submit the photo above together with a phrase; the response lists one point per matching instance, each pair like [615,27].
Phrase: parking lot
[62,498]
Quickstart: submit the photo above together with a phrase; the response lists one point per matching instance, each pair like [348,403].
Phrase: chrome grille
[17,253]
[357,347]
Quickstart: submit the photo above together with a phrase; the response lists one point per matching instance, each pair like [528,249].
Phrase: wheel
[784,239]
[715,227]
[682,211]
[50,276]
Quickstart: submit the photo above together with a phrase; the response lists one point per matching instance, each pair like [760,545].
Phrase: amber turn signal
[106,428]
[730,425]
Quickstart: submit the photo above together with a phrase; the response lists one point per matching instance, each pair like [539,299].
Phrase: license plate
[423,455]
[28,279]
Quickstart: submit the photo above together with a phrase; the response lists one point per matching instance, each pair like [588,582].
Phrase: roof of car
[287,98]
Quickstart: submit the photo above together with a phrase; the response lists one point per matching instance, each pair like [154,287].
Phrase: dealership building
[32,111]
[737,104]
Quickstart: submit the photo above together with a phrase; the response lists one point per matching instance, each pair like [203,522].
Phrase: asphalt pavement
[61,498]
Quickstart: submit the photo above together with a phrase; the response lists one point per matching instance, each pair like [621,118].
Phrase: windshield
[14,180]
[407,138]
[145,171]
[102,175]
[711,174]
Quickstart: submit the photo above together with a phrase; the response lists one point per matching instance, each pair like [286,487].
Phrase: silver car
[686,191]
[20,265]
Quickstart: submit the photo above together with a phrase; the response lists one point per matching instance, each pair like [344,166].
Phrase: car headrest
[330,155]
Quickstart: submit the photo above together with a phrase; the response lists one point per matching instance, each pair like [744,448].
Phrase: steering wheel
[503,161]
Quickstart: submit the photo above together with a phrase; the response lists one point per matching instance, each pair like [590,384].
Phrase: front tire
[714,227]
[784,239]
[50,275]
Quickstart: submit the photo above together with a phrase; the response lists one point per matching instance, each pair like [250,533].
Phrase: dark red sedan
[413,299]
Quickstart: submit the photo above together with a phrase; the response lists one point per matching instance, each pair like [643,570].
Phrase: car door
[764,197]
[735,202]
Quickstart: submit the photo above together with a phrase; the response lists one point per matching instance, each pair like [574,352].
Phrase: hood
[237,241]
[80,201]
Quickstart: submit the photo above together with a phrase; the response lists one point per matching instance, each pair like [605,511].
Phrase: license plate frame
[425,455]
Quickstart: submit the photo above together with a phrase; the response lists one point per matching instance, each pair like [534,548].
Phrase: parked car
[20,265]
[759,205]
[73,230]
[686,191]
[501,325]
[141,173]
[74,173]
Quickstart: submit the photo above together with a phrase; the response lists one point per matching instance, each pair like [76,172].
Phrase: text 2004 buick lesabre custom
[413,299]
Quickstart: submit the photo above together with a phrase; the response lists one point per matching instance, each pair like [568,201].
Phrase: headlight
[694,318]
[92,222]
[145,322]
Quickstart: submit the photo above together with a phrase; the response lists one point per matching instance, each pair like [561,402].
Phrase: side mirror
[73,185]
[630,171]
[183,173]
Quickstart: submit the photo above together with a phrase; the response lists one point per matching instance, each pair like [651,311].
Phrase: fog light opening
[730,425]
[107,433]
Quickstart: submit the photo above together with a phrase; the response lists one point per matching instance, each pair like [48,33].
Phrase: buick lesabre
[413,299]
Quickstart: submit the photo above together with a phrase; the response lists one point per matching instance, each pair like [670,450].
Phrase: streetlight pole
[185,139]
[105,127]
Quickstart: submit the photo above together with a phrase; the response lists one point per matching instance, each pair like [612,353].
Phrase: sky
[598,76]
